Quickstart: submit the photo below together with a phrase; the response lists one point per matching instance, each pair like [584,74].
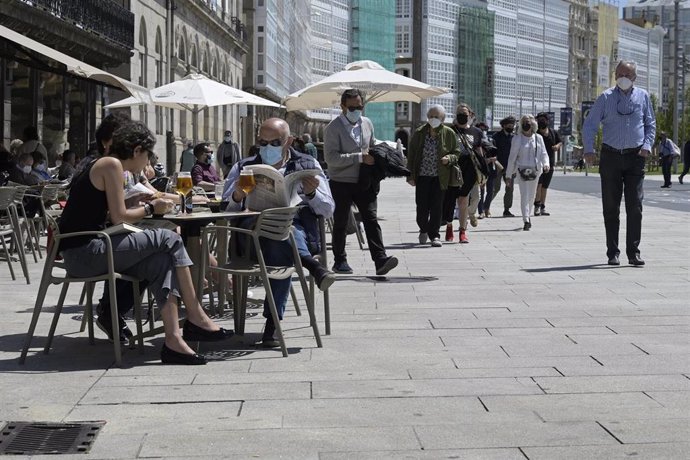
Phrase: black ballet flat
[193,333]
[169,356]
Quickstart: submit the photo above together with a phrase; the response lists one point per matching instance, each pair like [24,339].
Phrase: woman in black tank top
[155,255]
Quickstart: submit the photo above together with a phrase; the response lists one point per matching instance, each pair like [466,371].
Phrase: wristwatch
[148,209]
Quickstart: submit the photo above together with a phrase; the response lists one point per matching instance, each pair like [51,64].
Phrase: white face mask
[624,83]
[41,167]
[434,122]
[227,138]
[26,169]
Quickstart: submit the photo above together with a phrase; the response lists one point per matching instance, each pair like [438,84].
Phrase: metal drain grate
[33,438]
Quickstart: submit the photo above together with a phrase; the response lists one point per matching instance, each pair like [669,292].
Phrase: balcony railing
[214,8]
[102,17]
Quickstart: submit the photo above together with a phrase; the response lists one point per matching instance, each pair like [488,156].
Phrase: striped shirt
[628,120]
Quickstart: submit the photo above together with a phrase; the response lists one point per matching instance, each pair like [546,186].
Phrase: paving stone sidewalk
[517,345]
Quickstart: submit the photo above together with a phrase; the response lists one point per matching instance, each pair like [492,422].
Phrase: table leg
[222,250]
[193,245]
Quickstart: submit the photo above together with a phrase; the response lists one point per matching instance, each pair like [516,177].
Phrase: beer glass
[247,182]
[218,189]
[183,186]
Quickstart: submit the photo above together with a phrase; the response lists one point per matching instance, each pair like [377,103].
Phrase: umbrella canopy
[194,92]
[379,84]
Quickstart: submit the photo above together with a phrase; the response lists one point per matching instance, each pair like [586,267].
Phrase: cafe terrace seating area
[206,230]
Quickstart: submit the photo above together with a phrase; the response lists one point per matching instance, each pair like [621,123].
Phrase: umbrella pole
[195,124]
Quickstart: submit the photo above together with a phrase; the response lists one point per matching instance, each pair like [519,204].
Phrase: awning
[75,66]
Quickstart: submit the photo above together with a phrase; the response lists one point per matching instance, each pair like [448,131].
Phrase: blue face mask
[354,116]
[271,155]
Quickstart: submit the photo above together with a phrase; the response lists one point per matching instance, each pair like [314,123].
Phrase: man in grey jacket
[347,140]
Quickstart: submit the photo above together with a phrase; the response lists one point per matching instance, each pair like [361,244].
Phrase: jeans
[666,163]
[507,194]
[429,199]
[344,194]
[485,203]
[622,174]
[279,253]
[152,255]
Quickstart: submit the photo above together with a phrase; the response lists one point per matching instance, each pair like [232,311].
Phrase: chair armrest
[96,233]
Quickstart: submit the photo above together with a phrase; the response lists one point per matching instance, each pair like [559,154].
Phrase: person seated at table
[204,175]
[275,150]
[155,255]
[68,165]
[40,167]
[21,174]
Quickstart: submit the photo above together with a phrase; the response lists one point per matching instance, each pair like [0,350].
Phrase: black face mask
[508,129]
[542,124]
[526,126]
[462,118]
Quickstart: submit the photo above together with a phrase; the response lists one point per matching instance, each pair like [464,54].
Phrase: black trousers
[429,200]
[344,194]
[622,173]
[686,164]
[449,201]
[666,163]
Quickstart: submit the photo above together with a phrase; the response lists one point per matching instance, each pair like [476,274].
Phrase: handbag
[528,174]
[480,167]
[455,179]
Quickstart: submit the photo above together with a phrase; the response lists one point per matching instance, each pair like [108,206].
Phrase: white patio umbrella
[194,93]
[379,84]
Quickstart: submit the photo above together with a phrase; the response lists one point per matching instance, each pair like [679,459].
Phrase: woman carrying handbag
[528,158]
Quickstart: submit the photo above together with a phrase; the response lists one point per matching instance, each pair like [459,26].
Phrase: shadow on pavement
[571,268]
[389,279]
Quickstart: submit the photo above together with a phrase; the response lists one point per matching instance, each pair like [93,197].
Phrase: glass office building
[373,38]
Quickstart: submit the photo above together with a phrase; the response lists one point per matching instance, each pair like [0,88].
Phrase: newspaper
[137,189]
[273,190]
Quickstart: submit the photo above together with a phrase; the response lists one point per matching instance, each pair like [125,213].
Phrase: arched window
[204,61]
[192,56]
[142,52]
[182,45]
[143,70]
[159,78]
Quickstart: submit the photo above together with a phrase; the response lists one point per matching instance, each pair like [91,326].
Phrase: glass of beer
[183,186]
[247,182]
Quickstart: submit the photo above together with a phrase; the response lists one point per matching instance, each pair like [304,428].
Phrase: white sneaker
[423,237]
[436,243]
[473,220]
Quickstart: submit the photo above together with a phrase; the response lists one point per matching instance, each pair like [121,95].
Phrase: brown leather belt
[608,148]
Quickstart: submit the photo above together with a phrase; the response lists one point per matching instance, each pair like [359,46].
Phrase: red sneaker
[463,237]
[449,233]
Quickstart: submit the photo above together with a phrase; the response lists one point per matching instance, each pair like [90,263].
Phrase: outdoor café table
[190,229]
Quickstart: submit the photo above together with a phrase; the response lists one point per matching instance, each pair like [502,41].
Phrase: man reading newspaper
[307,188]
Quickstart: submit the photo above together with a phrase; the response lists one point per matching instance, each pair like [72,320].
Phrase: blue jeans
[280,253]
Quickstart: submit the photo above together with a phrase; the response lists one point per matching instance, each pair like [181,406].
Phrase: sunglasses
[273,143]
[352,109]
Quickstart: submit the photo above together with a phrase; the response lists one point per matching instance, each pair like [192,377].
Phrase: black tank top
[86,210]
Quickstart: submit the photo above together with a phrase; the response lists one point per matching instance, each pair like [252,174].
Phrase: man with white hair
[629,127]
[433,151]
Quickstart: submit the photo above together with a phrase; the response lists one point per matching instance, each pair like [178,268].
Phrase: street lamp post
[676,43]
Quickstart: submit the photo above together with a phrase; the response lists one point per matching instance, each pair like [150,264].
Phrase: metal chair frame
[274,224]
[49,277]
